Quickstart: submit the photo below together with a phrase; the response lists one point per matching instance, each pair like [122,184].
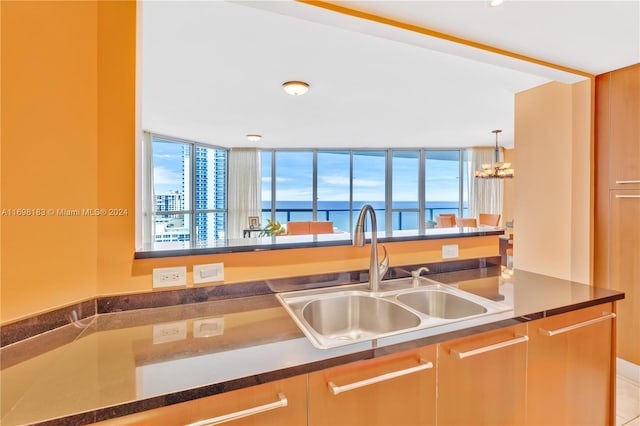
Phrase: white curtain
[485,195]
[245,189]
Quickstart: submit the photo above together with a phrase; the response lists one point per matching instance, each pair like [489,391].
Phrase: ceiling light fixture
[495,3]
[254,137]
[295,88]
[497,170]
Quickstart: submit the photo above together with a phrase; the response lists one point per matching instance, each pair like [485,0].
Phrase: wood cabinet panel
[293,414]
[624,269]
[406,400]
[484,389]
[569,377]
[624,147]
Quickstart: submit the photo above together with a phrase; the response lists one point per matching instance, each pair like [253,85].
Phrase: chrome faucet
[415,275]
[376,270]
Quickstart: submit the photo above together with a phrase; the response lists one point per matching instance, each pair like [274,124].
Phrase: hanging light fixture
[497,170]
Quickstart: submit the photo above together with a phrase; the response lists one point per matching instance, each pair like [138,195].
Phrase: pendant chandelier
[497,170]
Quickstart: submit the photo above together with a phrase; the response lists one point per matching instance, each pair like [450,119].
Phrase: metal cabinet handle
[605,316]
[424,365]
[627,196]
[514,341]
[627,181]
[282,402]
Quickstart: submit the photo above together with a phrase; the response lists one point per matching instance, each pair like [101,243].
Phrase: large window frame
[389,209]
[149,201]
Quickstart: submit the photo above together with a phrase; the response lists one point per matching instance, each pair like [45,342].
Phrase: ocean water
[338,212]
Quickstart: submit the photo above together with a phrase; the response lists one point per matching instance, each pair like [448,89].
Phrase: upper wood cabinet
[397,389]
[569,380]
[618,127]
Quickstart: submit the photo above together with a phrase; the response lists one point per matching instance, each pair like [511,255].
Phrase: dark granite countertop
[124,362]
[304,241]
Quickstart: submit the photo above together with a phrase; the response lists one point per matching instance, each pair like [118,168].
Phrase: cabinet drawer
[398,389]
[280,403]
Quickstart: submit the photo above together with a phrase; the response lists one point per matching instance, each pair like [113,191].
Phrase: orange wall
[552,193]
[68,142]
[49,153]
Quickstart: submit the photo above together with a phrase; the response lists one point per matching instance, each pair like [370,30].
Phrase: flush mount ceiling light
[495,3]
[497,170]
[254,137]
[295,88]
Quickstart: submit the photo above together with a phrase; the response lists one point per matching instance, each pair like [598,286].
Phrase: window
[443,190]
[333,185]
[189,188]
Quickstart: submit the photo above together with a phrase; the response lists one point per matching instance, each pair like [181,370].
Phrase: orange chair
[298,228]
[467,222]
[321,227]
[452,216]
[445,221]
[489,219]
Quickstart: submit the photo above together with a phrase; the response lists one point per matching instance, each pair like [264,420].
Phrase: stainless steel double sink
[337,316]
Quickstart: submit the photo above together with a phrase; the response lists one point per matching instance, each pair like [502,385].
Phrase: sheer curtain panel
[244,187]
[485,195]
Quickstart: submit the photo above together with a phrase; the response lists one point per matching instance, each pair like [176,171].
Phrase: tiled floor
[627,402]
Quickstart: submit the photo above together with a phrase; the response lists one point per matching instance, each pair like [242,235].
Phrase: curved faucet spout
[376,269]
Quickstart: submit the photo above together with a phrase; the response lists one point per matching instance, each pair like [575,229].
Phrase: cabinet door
[397,390]
[624,154]
[624,269]
[280,403]
[569,371]
[482,378]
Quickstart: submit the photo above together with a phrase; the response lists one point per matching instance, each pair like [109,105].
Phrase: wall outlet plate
[208,273]
[169,332]
[169,277]
[449,251]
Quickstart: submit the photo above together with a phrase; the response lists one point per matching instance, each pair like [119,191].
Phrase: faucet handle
[417,272]
[384,263]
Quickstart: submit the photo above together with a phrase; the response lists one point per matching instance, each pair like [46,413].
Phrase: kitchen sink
[347,314]
[357,316]
[440,304]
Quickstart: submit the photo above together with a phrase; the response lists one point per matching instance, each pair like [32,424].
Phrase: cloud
[334,180]
[368,183]
[164,176]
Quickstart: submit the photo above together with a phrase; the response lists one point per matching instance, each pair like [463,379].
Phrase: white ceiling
[212,70]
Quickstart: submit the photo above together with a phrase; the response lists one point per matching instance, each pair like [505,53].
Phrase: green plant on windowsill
[272,229]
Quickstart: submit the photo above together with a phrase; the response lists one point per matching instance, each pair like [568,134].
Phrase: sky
[294,180]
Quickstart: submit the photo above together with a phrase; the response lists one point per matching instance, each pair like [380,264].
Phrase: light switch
[208,273]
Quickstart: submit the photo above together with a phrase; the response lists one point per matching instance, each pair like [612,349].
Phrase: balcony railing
[402,219]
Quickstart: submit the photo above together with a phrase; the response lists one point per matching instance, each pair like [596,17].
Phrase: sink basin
[356,316]
[440,304]
[348,314]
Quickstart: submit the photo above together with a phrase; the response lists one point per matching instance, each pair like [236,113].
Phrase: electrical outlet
[207,327]
[449,251]
[169,277]
[169,332]
[208,273]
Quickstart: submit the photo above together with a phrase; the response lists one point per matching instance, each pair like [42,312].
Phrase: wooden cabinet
[624,146]
[569,377]
[617,228]
[280,403]
[482,379]
[398,389]
[624,268]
